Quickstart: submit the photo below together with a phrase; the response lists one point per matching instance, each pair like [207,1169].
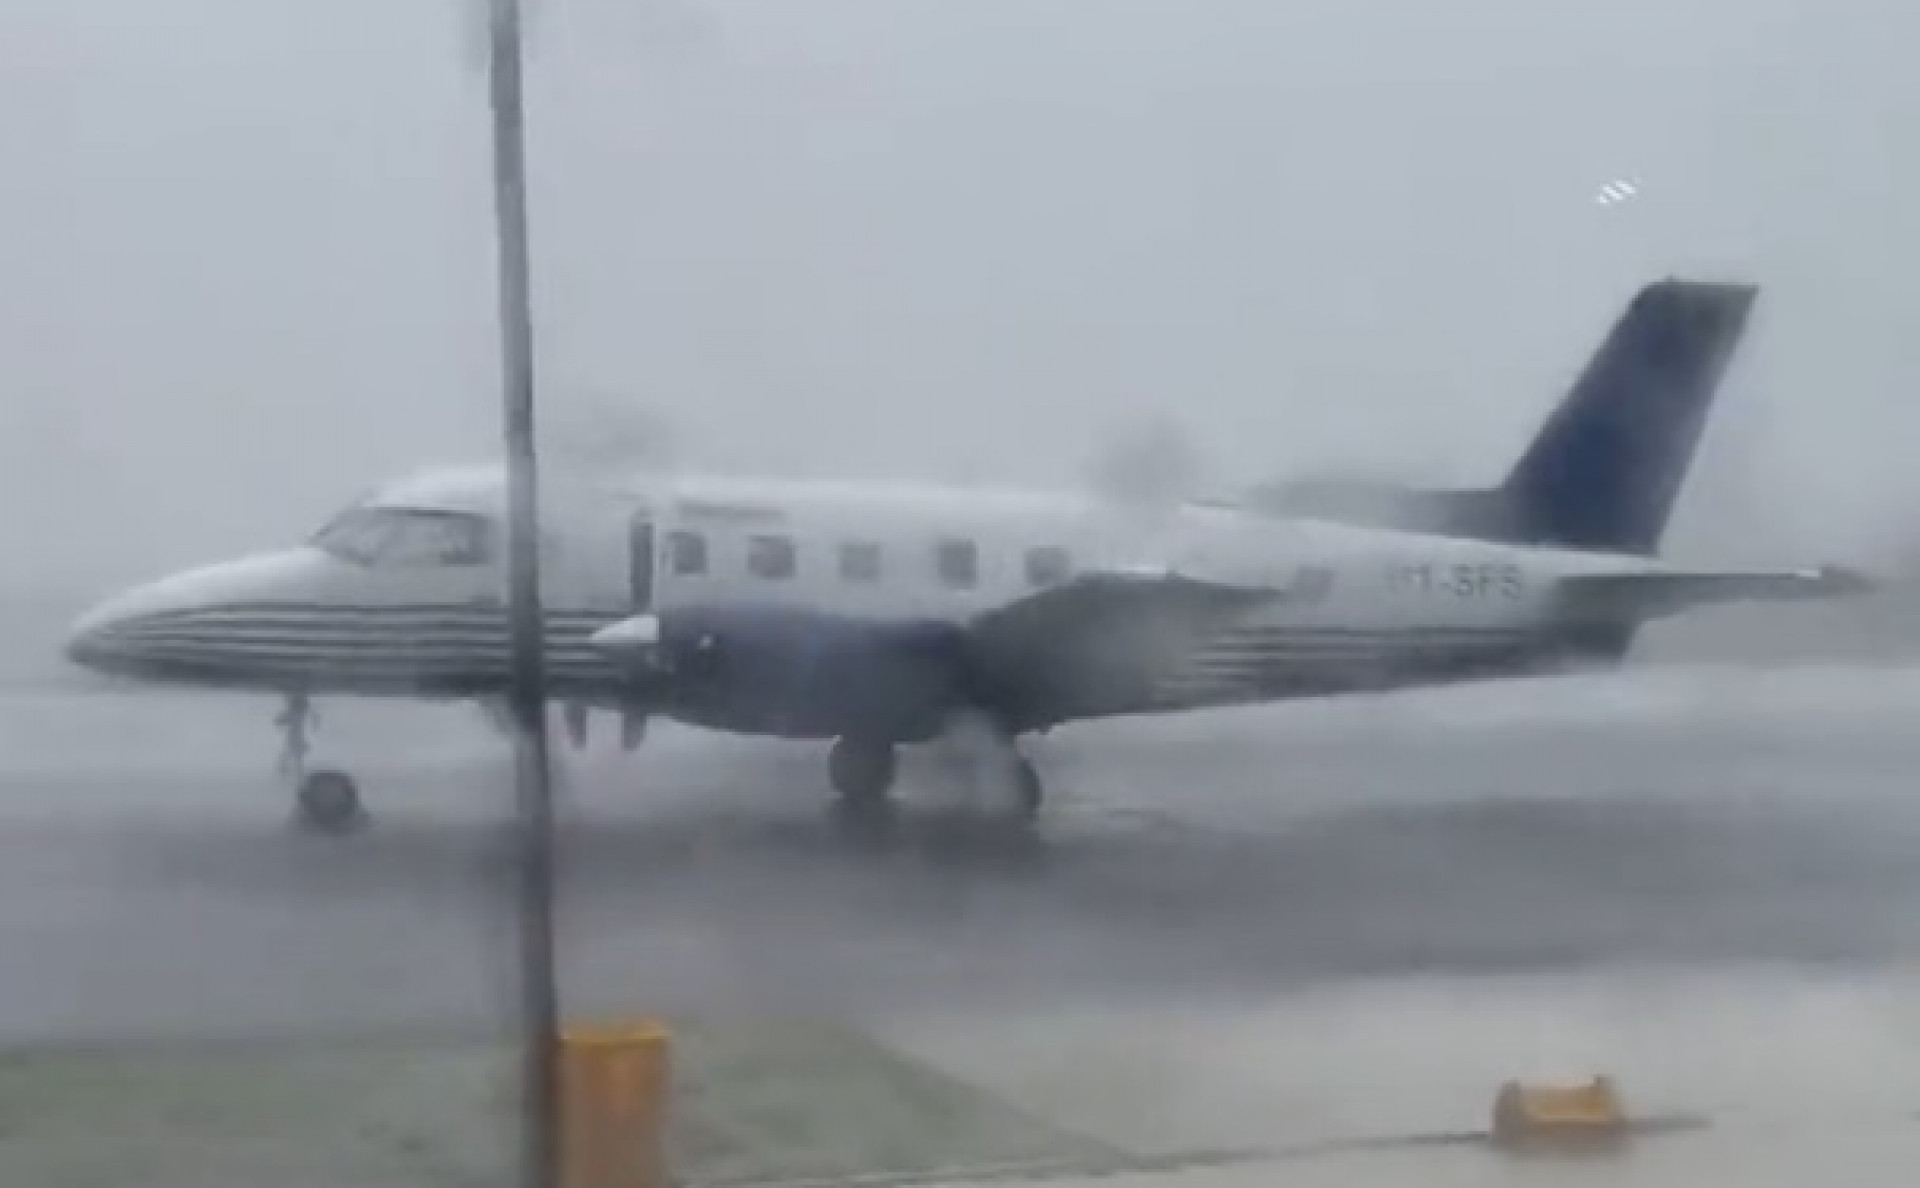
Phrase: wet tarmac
[1267,927]
[1684,819]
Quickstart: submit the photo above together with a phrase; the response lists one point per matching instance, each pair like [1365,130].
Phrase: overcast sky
[245,262]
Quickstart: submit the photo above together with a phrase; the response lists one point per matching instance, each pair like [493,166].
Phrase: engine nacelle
[792,672]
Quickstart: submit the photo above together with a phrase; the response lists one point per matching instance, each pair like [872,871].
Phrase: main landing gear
[862,774]
[324,800]
[863,771]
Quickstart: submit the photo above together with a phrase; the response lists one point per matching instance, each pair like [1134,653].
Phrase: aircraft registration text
[1477,579]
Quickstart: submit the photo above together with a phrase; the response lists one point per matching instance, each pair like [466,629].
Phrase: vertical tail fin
[1605,469]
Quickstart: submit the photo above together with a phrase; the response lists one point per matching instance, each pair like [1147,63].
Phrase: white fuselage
[403,593]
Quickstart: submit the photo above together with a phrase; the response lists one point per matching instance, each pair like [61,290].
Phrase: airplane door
[641,564]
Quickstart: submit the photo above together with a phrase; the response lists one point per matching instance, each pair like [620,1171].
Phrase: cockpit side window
[355,535]
[397,537]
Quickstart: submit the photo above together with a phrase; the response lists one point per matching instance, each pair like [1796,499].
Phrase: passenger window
[686,553]
[957,562]
[771,557]
[1047,566]
[860,561]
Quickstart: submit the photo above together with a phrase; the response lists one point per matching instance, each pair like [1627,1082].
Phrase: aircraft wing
[1098,644]
[1636,597]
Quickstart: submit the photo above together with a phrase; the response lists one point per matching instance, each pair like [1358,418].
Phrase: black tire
[872,820]
[328,802]
[862,774]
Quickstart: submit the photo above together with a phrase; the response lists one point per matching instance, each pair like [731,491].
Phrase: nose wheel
[328,802]
[325,800]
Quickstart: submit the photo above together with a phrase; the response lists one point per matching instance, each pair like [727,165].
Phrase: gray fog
[245,263]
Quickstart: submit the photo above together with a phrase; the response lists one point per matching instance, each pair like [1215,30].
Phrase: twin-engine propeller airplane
[879,616]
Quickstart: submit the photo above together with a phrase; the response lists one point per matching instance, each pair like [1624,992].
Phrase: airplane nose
[83,645]
[119,636]
[175,628]
[97,639]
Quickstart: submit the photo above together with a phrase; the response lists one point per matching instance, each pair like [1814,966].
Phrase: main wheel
[328,802]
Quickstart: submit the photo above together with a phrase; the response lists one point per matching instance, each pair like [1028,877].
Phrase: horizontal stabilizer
[1636,597]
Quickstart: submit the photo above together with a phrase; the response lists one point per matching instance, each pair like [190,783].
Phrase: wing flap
[1100,643]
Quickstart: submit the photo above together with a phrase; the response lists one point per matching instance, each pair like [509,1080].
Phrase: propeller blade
[575,715]
[633,729]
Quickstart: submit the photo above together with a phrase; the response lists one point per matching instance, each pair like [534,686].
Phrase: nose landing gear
[325,800]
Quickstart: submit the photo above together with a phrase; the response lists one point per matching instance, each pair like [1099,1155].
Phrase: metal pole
[534,791]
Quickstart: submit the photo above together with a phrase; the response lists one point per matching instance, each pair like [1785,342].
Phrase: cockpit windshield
[413,537]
